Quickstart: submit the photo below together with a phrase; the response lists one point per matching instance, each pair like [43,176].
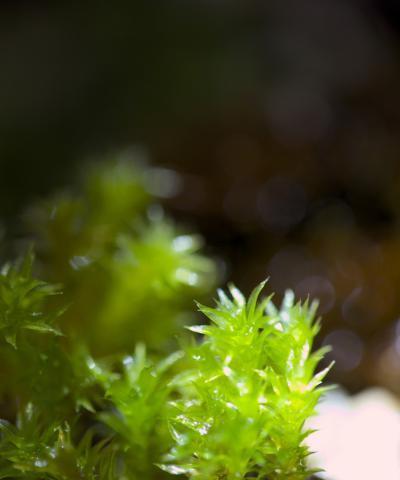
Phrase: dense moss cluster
[94,384]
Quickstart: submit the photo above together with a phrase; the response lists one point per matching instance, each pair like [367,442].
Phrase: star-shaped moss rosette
[248,391]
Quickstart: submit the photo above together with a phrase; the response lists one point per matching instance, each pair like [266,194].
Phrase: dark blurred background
[281,116]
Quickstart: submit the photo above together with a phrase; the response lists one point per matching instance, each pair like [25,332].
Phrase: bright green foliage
[243,404]
[139,397]
[236,407]
[75,404]
[22,298]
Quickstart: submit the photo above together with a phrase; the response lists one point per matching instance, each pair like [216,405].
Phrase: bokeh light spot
[347,349]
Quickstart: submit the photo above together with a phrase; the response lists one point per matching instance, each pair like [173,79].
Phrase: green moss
[98,391]
[248,391]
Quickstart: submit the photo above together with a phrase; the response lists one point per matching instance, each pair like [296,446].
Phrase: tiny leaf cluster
[247,391]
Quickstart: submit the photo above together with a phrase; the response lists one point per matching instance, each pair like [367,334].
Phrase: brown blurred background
[281,116]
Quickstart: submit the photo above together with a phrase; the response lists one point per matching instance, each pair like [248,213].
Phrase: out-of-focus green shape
[78,226]
[152,277]
[128,272]
[250,388]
